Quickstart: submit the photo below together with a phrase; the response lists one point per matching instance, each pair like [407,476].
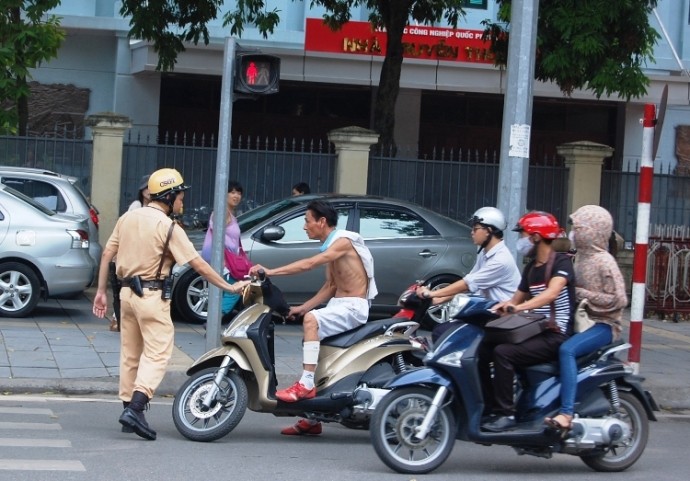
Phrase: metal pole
[213,322]
[642,236]
[517,114]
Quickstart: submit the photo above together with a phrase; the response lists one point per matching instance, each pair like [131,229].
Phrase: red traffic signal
[256,73]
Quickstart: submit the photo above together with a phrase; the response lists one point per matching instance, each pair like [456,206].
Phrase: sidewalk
[64,348]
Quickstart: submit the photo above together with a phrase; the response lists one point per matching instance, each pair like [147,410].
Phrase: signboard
[420,42]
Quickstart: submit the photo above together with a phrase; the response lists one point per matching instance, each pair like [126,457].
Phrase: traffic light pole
[213,321]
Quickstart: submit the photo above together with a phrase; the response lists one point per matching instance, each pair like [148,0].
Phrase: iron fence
[457,183]
[59,152]
[267,169]
[453,183]
[620,194]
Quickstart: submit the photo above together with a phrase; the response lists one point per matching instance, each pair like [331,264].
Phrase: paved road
[51,438]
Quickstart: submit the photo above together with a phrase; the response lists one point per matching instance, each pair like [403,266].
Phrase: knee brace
[310,351]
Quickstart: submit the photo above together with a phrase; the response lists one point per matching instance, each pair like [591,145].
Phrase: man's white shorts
[341,314]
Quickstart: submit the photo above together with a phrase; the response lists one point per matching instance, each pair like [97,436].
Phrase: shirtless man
[348,289]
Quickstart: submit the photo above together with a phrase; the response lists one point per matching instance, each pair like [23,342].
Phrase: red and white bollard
[639,276]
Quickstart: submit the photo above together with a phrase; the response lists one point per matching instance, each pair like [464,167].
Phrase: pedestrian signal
[256,74]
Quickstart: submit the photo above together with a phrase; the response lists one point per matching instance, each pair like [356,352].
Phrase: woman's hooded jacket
[597,275]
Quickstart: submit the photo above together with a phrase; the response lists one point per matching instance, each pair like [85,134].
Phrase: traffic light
[256,73]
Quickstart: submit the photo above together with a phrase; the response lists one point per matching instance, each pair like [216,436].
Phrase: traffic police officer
[147,242]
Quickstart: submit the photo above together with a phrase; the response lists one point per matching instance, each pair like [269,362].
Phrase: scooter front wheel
[393,429]
[194,421]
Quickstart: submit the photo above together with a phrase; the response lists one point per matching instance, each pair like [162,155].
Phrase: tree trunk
[395,20]
[22,101]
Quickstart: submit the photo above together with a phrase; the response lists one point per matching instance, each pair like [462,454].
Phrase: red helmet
[541,223]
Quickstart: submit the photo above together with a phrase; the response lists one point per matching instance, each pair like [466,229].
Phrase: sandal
[562,423]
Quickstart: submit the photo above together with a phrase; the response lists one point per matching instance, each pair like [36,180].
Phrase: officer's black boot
[133,416]
[126,429]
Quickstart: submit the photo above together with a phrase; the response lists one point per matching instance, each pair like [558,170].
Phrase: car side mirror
[273,233]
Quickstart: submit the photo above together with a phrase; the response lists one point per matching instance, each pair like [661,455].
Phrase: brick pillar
[352,146]
[584,160]
[108,130]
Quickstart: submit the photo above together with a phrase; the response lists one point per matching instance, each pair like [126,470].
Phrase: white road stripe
[40,465]
[35,443]
[45,412]
[31,426]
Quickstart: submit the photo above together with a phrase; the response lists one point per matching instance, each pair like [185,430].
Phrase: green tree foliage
[599,45]
[27,38]
[171,23]
[596,45]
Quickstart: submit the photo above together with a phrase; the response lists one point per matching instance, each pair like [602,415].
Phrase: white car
[57,192]
[42,253]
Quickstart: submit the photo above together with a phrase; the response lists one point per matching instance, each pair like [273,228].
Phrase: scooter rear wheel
[195,422]
[393,426]
[623,456]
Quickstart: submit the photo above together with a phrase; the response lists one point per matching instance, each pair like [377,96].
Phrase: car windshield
[28,200]
[264,212]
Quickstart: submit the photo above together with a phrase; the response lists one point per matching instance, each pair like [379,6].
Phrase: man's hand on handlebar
[254,271]
[296,313]
[505,307]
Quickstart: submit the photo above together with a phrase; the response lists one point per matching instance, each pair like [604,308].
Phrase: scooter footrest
[341,395]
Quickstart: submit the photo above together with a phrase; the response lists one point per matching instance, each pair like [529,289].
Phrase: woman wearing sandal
[599,280]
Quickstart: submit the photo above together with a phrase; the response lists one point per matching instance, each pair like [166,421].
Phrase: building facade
[453,100]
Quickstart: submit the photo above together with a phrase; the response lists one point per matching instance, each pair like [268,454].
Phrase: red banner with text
[420,42]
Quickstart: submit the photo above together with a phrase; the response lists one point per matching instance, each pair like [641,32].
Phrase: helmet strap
[488,239]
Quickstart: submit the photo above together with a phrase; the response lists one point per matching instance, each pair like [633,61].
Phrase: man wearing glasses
[495,274]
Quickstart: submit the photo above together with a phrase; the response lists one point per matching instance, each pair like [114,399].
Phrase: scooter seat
[553,368]
[353,336]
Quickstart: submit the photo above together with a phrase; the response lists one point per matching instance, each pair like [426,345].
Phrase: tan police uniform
[147,333]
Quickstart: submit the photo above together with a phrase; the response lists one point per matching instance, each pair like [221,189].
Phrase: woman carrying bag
[232,244]
[598,279]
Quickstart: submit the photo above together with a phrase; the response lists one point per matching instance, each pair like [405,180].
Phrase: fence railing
[456,188]
[670,199]
[454,184]
[58,153]
[267,169]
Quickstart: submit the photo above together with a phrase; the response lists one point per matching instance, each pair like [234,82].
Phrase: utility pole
[517,114]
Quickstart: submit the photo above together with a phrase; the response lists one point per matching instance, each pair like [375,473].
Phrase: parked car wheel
[191,301]
[20,289]
[434,313]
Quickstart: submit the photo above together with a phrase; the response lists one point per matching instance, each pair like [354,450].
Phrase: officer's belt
[144,284]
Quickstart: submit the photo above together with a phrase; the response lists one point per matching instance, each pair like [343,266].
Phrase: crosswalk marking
[31,426]
[37,411]
[35,443]
[26,442]
[40,465]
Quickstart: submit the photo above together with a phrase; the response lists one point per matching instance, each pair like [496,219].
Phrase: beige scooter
[353,367]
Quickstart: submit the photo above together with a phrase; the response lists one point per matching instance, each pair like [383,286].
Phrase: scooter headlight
[453,359]
[236,331]
[457,304]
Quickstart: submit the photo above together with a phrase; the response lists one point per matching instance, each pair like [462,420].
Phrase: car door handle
[427,253]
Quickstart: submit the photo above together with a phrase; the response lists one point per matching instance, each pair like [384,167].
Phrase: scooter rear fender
[423,375]
[633,384]
[214,358]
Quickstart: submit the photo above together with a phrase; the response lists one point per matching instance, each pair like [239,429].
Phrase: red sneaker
[295,392]
[302,427]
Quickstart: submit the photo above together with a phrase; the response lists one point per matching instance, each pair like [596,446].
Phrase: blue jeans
[593,338]
[229,300]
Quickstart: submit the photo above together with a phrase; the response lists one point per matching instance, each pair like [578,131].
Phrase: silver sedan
[408,243]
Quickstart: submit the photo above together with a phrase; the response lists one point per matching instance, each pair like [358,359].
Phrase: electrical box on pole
[256,74]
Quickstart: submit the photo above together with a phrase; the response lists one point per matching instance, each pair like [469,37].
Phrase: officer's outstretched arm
[207,272]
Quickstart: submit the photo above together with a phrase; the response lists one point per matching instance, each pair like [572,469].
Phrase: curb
[171,383]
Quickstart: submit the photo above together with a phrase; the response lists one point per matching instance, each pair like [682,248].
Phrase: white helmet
[489,217]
